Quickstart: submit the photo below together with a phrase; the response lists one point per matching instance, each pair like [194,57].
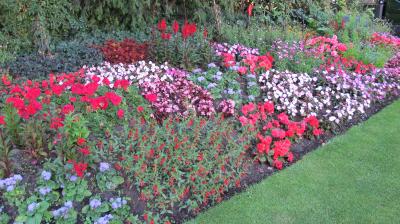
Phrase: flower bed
[137,142]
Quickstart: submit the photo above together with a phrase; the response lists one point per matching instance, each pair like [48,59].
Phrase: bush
[127,51]
[67,57]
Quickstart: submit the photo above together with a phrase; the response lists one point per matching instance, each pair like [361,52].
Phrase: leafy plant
[68,57]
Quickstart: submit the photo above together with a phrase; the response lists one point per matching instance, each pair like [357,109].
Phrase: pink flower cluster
[179,97]
[386,39]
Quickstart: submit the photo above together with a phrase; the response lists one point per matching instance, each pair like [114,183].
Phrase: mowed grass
[355,178]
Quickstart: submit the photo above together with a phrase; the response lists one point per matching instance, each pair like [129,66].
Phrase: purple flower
[73,178]
[117,202]
[104,219]
[46,175]
[44,190]
[94,203]
[104,166]
[33,206]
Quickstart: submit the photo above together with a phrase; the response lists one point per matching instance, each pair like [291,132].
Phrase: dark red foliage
[127,51]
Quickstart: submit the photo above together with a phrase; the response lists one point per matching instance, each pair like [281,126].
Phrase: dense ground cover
[155,127]
[351,179]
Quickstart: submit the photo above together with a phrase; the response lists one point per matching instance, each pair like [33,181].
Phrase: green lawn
[355,178]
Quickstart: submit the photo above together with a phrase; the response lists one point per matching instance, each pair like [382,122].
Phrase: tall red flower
[250,9]
[162,25]
[175,27]
[188,30]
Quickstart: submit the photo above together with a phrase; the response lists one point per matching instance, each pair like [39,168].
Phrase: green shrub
[67,57]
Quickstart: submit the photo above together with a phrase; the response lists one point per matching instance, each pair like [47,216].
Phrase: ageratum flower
[104,219]
[46,175]
[94,203]
[104,166]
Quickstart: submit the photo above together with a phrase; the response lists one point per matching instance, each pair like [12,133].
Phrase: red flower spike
[162,25]
[175,26]
[250,9]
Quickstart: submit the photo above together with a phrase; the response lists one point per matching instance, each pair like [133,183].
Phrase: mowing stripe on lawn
[355,178]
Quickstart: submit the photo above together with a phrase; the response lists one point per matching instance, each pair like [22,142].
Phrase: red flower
[283,118]
[165,36]
[175,26]
[188,30]
[69,108]
[81,141]
[278,133]
[80,168]
[114,98]
[32,93]
[290,157]
[99,102]
[162,25]
[117,166]
[120,113]
[57,90]
[269,107]
[45,84]
[205,33]
[85,151]
[56,123]
[140,109]
[250,9]
[2,121]
[122,84]
[248,108]
[278,164]
[312,121]
[242,70]
[5,80]
[151,97]
[317,132]
[18,103]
